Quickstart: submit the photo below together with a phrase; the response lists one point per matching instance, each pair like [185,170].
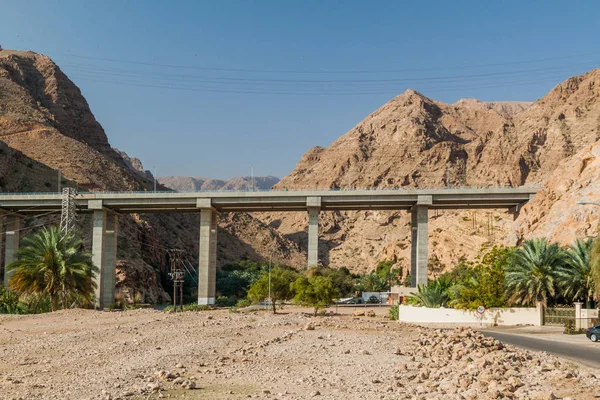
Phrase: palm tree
[50,266]
[595,267]
[531,277]
[575,277]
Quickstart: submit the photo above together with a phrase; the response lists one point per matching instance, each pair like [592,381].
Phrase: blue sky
[211,88]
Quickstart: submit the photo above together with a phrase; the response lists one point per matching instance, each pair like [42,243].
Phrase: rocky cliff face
[135,164]
[47,126]
[414,141]
[554,212]
[38,95]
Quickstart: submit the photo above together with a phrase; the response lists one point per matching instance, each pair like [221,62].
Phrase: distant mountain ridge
[194,183]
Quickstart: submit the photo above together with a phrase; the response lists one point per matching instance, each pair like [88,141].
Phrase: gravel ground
[148,354]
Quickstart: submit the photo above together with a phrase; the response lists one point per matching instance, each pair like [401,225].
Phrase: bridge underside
[106,207]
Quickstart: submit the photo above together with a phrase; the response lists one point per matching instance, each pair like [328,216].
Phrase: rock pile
[465,364]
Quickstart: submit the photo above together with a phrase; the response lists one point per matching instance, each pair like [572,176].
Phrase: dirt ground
[148,354]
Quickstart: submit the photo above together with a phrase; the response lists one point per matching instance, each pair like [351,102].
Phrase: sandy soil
[82,354]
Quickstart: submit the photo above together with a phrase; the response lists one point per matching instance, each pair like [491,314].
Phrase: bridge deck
[275,200]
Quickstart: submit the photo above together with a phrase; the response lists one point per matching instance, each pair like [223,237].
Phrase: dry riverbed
[147,354]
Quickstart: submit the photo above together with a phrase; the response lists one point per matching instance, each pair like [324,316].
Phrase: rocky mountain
[46,126]
[194,183]
[554,212]
[414,141]
[135,164]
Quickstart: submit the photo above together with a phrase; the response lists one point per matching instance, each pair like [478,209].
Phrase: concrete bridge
[106,208]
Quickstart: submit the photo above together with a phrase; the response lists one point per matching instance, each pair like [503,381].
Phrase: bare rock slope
[414,141]
[554,212]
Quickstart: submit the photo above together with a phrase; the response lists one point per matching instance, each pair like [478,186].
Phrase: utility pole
[154,176]
[270,262]
[68,211]
[59,183]
[252,176]
[176,275]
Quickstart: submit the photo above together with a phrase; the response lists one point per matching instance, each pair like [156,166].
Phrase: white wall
[491,317]
[589,313]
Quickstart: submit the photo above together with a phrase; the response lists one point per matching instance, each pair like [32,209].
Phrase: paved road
[588,353]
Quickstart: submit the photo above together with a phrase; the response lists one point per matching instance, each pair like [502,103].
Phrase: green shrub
[189,307]
[197,307]
[394,313]
[243,303]
[570,328]
[223,301]
[37,303]
[9,302]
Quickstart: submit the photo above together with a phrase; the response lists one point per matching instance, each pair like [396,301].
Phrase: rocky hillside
[554,212]
[135,164]
[46,126]
[414,141]
[194,183]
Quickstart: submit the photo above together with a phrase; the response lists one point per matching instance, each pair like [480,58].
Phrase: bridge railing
[278,190]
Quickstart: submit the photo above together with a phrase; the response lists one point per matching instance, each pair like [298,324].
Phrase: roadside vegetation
[314,287]
[536,271]
[53,273]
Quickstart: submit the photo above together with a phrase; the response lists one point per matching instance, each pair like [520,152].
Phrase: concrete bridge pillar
[104,255]
[207,257]
[313,205]
[13,234]
[419,241]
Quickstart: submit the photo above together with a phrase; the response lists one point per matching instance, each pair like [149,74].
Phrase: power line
[218,90]
[356,71]
[403,80]
[237,80]
[295,88]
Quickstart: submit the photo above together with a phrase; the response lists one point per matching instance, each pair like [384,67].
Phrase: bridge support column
[104,255]
[314,207]
[419,241]
[13,233]
[207,257]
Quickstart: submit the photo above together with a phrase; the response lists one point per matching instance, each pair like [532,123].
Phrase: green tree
[407,280]
[531,276]
[574,278]
[595,267]
[481,283]
[315,291]
[341,278]
[234,280]
[49,266]
[386,271]
[281,279]
[372,283]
